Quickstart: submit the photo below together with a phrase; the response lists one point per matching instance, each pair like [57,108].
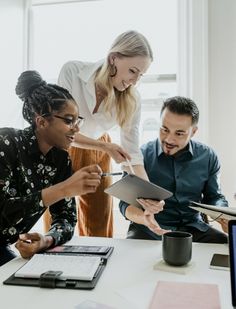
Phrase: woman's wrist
[103,146]
[49,241]
[54,193]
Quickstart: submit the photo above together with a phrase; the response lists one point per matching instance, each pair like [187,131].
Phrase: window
[84,30]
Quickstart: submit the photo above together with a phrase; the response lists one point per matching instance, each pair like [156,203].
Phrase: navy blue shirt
[191,175]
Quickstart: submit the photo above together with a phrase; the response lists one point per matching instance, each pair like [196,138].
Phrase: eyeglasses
[68,121]
[71,122]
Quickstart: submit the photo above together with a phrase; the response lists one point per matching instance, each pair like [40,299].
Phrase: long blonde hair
[127,44]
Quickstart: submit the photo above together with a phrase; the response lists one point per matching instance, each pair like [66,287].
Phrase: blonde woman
[106,97]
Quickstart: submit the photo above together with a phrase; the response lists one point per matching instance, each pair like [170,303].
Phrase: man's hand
[151,223]
[30,243]
[224,224]
[152,206]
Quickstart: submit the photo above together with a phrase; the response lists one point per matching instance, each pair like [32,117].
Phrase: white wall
[11,60]
[220,115]
[222,89]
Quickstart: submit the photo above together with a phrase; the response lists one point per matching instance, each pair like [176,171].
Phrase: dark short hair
[182,106]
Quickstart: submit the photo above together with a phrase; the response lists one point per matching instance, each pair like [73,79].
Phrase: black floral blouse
[24,172]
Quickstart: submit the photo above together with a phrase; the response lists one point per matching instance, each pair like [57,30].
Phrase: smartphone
[220,261]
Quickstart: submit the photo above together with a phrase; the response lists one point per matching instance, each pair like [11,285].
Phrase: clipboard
[103,251]
[50,279]
[131,187]
[214,212]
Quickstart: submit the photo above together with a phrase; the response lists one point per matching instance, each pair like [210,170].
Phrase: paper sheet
[185,295]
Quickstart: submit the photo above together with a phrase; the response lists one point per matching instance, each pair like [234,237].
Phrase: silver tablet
[131,187]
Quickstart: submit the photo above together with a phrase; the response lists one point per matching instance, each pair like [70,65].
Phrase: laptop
[232,259]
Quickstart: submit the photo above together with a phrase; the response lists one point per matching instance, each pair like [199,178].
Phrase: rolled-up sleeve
[212,190]
[123,206]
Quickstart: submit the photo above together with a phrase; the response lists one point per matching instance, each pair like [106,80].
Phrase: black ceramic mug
[177,248]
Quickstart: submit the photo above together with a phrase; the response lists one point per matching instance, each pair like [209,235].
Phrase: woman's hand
[117,153]
[30,243]
[86,180]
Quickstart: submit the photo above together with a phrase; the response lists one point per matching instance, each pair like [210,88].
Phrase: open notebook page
[72,267]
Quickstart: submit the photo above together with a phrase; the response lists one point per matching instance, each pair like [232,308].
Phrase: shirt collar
[190,148]
[159,148]
[88,71]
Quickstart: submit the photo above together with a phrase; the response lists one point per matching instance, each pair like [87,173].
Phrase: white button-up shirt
[78,78]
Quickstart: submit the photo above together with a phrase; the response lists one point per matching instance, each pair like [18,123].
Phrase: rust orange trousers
[95,210]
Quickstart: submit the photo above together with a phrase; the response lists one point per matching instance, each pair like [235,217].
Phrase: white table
[127,282]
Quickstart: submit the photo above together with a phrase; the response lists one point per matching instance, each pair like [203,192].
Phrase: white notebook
[72,267]
[228,213]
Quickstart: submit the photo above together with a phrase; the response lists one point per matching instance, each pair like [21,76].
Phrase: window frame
[192,72]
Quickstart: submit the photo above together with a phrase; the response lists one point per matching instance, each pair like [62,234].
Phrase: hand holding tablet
[131,187]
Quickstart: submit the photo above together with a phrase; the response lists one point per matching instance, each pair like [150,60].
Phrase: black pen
[111,174]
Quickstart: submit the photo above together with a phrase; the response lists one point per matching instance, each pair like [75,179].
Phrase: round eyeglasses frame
[68,121]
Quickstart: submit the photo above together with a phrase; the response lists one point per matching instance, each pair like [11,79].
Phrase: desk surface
[127,282]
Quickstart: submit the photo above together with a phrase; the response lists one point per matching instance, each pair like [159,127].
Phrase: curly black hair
[38,96]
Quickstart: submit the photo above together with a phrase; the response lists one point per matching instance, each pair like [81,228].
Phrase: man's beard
[169,150]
